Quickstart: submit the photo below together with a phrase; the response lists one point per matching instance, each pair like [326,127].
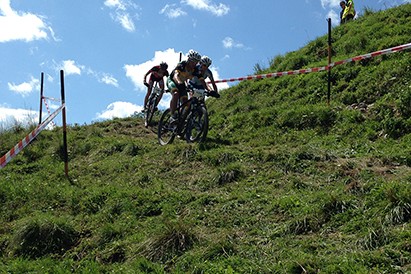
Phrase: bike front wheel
[197,125]
[166,131]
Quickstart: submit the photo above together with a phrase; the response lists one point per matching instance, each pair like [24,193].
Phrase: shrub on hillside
[173,241]
[43,236]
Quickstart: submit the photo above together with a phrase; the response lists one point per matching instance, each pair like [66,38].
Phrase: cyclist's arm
[203,82]
[145,76]
[177,79]
[211,77]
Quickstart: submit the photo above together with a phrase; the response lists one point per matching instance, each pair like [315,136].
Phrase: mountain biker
[157,75]
[203,72]
[176,82]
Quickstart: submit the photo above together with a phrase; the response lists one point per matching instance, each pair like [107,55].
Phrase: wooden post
[63,102]
[329,60]
[41,97]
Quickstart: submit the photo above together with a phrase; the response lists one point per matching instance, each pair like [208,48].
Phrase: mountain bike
[192,120]
[152,104]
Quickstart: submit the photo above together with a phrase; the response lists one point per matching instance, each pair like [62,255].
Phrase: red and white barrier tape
[4,160]
[52,99]
[371,55]
[309,70]
[48,109]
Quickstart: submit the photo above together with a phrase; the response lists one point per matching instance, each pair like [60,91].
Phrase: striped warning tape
[48,109]
[52,99]
[371,55]
[4,160]
[309,70]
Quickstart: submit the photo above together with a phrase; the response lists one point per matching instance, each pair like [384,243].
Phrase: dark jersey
[184,73]
[155,75]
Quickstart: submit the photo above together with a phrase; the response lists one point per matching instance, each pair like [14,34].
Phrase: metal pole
[41,97]
[63,102]
[181,54]
[329,60]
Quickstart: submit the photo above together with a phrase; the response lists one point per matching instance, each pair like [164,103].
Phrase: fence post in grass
[63,102]
[41,97]
[329,61]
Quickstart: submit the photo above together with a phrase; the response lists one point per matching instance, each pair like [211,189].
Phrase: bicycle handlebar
[207,93]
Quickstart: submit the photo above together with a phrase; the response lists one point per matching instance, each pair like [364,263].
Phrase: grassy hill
[284,184]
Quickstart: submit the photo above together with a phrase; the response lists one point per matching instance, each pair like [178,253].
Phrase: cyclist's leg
[161,84]
[174,95]
[149,89]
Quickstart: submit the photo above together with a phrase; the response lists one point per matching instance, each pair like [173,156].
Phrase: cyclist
[177,79]
[203,72]
[157,75]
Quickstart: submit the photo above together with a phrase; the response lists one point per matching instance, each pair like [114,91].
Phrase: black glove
[181,87]
[214,94]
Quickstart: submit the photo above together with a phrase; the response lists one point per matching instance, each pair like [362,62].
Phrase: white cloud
[126,21]
[115,4]
[136,72]
[207,5]
[118,110]
[10,116]
[226,57]
[229,43]
[25,88]
[171,11]
[70,67]
[330,3]
[109,80]
[335,18]
[103,77]
[21,26]
[121,14]
[174,11]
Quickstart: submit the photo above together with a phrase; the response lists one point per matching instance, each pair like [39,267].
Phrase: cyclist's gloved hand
[214,94]
[181,87]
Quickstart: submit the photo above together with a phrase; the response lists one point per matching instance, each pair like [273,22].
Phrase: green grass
[284,184]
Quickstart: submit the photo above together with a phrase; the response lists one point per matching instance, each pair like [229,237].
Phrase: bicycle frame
[192,120]
[197,97]
[156,93]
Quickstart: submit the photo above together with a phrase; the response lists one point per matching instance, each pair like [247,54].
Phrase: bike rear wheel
[166,131]
[197,125]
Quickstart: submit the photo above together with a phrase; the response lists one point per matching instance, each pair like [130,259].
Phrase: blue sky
[106,46]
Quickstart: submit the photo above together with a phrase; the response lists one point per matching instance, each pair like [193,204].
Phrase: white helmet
[205,60]
[193,56]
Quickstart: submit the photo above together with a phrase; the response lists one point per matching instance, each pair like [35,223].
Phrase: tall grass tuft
[40,237]
[173,241]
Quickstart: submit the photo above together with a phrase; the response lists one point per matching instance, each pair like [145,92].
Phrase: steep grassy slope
[284,184]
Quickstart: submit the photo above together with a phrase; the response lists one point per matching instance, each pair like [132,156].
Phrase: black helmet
[164,65]
[205,60]
[193,56]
